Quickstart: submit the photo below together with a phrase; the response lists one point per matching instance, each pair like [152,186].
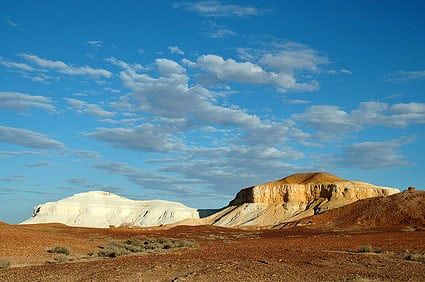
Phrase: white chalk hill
[103,209]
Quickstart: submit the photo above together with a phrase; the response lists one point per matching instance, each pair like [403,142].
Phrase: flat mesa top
[310,177]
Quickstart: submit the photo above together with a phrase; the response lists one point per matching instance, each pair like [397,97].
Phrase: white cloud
[124,65]
[404,76]
[217,33]
[85,154]
[145,137]
[148,180]
[91,109]
[330,120]
[28,138]
[294,101]
[326,118]
[37,164]
[229,70]
[170,96]
[289,68]
[373,155]
[14,65]
[217,9]
[294,57]
[6,154]
[95,43]
[397,115]
[175,50]
[22,102]
[228,169]
[12,23]
[63,68]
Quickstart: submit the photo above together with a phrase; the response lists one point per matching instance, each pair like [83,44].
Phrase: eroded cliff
[294,197]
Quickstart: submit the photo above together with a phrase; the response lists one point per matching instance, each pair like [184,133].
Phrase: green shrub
[59,250]
[4,263]
[61,258]
[365,249]
[133,245]
[112,250]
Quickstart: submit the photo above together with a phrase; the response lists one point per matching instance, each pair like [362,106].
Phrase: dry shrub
[415,257]
[61,258]
[4,263]
[59,250]
[365,249]
[134,245]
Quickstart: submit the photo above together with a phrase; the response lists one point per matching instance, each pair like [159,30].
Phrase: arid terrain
[320,251]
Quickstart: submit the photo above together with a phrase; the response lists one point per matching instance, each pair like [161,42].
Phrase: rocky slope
[104,209]
[294,197]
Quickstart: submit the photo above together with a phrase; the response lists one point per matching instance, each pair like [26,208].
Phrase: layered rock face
[295,197]
[104,209]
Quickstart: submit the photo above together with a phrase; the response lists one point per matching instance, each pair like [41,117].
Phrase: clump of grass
[369,249]
[112,250]
[365,249]
[134,245]
[59,250]
[415,257]
[4,263]
[61,258]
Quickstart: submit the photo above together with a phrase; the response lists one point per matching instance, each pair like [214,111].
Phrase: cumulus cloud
[85,154]
[6,154]
[37,164]
[146,137]
[284,68]
[175,50]
[217,9]
[326,118]
[329,120]
[22,102]
[82,182]
[170,96]
[405,76]
[91,109]
[228,169]
[291,57]
[373,155]
[221,32]
[14,65]
[148,180]
[28,138]
[95,43]
[64,68]
[12,23]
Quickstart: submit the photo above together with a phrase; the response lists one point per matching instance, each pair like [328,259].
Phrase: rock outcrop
[402,209]
[104,209]
[294,197]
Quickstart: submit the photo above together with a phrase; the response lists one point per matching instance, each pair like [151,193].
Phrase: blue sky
[192,101]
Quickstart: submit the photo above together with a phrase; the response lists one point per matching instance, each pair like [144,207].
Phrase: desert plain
[379,246]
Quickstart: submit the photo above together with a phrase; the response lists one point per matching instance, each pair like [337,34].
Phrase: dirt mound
[406,208]
[311,177]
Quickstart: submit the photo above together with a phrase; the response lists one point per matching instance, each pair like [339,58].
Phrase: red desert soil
[325,250]
[312,177]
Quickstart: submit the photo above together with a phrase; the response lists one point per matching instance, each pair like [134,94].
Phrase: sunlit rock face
[104,209]
[295,197]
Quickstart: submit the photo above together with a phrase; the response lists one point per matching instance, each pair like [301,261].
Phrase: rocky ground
[218,254]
